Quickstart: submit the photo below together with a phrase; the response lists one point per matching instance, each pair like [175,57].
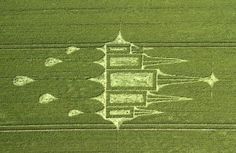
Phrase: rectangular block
[118,48]
[124,61]
[129,98]
[119,112]
[131,79]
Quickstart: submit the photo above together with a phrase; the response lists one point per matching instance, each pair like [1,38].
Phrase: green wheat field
[127,76]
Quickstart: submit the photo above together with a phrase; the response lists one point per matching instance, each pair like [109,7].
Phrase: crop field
[117,76]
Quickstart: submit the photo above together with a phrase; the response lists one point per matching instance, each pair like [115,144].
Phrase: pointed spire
[147,48]
[144,112]
[211,80]
[153,61]
[101,61]
[99,79]
[103,49]
[153,97]
[118,121]
[101,98]
[167,79]
[119,40]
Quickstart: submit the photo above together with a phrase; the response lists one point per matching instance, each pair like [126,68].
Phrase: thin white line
[128,124]
[70,130]
[55,125]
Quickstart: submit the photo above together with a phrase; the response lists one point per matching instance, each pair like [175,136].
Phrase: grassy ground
[202,32]
[122,141]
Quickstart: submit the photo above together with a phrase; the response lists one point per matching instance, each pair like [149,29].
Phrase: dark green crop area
[201,32]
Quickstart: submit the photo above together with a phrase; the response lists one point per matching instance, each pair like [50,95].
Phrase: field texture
[137,76]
